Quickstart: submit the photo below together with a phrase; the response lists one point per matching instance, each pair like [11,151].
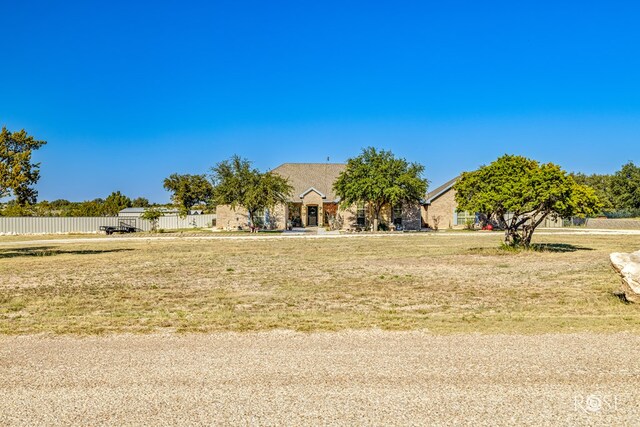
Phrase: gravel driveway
[346,378]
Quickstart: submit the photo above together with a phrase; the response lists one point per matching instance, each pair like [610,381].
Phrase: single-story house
[313,203]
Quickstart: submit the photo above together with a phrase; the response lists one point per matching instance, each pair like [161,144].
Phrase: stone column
[285,217]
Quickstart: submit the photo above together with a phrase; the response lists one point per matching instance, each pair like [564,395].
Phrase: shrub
[152,215]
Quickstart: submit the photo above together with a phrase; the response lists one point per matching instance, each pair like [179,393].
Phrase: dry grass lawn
[443,283]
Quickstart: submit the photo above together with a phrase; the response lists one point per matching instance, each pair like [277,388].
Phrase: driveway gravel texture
[338,378]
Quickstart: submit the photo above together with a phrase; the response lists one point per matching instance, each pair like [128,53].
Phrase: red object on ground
[489,227]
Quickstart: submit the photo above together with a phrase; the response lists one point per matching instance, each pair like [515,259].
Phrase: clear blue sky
[127,93]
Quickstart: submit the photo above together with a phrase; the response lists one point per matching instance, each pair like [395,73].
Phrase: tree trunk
[519,236]
[376,216]
[511,237]
[251,221]
[527,234]
[529,229]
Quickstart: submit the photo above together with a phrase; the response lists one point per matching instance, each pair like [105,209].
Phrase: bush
[152,215]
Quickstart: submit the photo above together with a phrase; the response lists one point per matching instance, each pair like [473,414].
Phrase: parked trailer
[109,229]
[124,226]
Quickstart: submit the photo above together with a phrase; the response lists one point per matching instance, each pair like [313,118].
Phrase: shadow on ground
[558,247]
[621,296]
[536,247]
[42,251]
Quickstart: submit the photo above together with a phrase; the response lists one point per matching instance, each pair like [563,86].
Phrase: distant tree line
[619,193]
[110,206]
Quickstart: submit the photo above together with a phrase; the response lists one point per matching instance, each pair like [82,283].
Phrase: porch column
[303,214]
[285,218]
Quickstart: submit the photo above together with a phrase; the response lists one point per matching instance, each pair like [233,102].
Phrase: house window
[465,218]
[397,214]
[295,214]
[260,215]
[361,220]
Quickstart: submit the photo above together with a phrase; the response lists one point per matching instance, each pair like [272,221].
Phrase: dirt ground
[336,378]
[443,283]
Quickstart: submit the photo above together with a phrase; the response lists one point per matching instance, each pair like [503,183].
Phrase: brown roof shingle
[303,176]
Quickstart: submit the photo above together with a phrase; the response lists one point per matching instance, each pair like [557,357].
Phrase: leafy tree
[237,184]
[60,204]
[520,193]
[42,208]
[13,208]
[152,215]
[189,190]
[625,187]
[140,202]
[115,202]
[94,207]
[17,172]
[602,186]
[379,178]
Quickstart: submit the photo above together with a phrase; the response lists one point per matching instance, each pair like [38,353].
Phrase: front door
[312,216]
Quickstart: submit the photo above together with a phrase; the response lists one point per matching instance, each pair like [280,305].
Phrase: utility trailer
[124,226]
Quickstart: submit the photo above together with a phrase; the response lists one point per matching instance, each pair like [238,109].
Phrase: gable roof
[310,189]
[432,195]
[305,177]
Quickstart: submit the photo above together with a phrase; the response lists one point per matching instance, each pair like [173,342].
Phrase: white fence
[53,225]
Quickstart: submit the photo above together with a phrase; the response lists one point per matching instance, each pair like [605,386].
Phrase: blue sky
[127,93]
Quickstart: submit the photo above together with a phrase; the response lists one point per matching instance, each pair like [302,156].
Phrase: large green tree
[140,202]
[94,207]
[236,183]
[602,186]
[625,187]
[115,202]
[189,190]
[378,178]
[520,193]
[18,174]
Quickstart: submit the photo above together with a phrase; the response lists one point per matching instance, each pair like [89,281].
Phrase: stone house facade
[440,208]
[313,203]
